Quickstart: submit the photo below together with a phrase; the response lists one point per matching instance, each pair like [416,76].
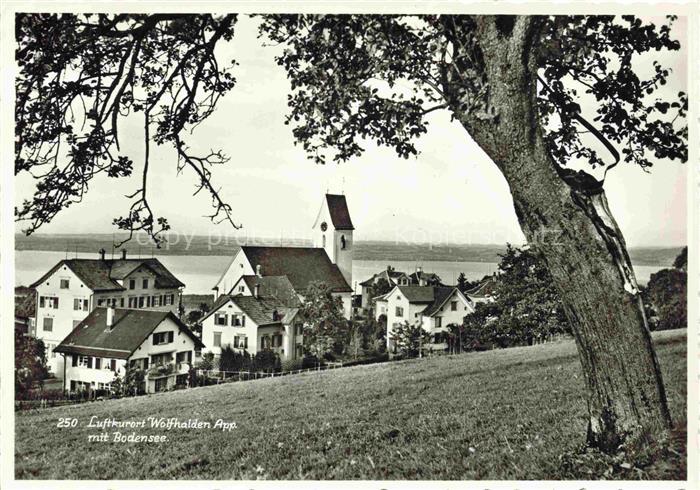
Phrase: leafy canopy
[353,78]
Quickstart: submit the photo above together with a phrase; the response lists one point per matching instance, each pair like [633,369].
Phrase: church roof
[301,265]
[338,209]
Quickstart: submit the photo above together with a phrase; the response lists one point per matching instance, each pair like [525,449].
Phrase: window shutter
[75,360]
[56,304]
[89,362]
[242,320]
[171,336]
[154,339]
[113,365]
[226,320]
[245,342]
[98,362]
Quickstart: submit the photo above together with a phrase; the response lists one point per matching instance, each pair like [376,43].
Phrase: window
[85,361]
[183,356]
[98,363]
[265,341]
[48,325]
[145,284]
[240,342]
[299,351]
[49,350]
[163,338]
[50,302]
[65,284]
[220,319]
[121,302]
[141,298]
[238,320]
[298,329]
[276,341]
[160,359]
[113,301]
[107,364]
[132,301]
[453,306]
[399,311]
[132,283]
[241,289]
[156,301]
[77,304]
[161,384]
[100,302]
[438,322]
[342,242]
[217,339]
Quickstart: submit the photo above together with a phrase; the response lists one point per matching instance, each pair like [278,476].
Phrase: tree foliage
[324,322]
[81,76]
[30,364]
[349,75]
[410,339]
[667,291]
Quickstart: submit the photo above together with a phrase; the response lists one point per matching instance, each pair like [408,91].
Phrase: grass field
[508,414]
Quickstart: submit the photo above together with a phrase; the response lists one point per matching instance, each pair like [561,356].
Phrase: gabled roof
[301,265]
[431,278]
[277,287]
[102,275]
[487,287]
[259,309]
[442,295]
[338,209]
[130,329]
[418,294]
[388,275]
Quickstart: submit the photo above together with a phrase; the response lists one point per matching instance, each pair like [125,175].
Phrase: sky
[449,193]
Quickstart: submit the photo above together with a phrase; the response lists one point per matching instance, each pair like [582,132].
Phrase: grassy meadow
[507,414]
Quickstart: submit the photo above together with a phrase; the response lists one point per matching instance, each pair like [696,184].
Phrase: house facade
[109,341]
[431,307]
[74,287]
[252,323]
[390,275]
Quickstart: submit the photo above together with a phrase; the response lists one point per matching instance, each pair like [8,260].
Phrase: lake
[201,272]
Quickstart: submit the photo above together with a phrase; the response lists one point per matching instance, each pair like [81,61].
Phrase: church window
[342,242]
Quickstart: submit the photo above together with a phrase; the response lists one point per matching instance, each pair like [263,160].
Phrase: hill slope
[506,414]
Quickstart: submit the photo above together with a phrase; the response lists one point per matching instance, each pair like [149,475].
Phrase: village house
[109,340]
[329,261]
[74,287]
[390,275]
[431,307]
[261,313]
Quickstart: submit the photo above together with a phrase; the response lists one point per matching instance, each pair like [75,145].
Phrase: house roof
[102,275]
[487,287]
[434,296]
[130,329]
[338,209]
[385,274]
[429,277]
[277,287]
[301,265]
[441,297]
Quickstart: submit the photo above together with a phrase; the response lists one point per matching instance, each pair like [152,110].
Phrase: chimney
[123,254]
[102,253]
[258,270]
[256,290]
[110,317]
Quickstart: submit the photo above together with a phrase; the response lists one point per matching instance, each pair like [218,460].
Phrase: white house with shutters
[74,287]
[431,307]
[109,340]
[264,314]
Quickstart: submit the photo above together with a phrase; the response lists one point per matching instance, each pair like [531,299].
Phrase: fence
[233,376]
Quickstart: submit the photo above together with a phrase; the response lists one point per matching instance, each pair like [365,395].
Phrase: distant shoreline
[364,250]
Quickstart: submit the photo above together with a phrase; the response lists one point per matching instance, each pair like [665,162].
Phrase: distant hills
[364,250]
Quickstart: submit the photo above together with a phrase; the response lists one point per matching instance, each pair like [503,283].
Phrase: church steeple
[333,231]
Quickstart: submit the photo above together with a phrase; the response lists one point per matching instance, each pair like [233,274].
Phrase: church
[329,260]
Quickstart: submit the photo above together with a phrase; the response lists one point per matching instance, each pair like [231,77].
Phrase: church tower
[333,231]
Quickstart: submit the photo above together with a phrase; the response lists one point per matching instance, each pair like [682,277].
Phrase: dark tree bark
[576,235]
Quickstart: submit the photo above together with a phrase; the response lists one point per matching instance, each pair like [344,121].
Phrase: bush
[292,364]
[266,361]
[309,362]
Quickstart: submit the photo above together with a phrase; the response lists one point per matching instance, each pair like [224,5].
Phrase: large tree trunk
[578,238]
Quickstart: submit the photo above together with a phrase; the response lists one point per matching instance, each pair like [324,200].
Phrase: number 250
[67,422]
